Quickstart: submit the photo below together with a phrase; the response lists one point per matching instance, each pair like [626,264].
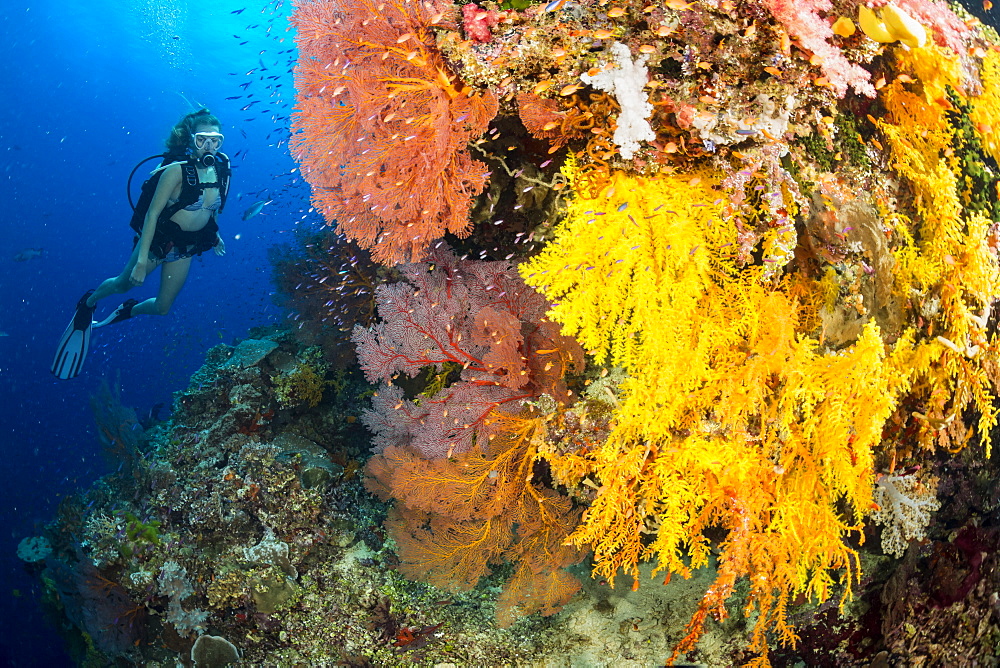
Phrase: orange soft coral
[382,125]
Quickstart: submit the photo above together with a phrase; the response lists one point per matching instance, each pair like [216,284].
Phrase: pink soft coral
[478,21]
[802,20]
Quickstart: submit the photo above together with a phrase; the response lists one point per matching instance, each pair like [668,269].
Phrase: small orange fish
[569,89]
[786,42]
[541,86]
[987,5]
[615,12]
[602,34]
[773,71]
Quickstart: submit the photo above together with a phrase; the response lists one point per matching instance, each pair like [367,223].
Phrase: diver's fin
[123,312]
[75,341]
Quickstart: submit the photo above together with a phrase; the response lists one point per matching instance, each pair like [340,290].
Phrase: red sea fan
[479,317]
[382,125]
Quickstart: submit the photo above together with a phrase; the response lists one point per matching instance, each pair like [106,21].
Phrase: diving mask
[211,141]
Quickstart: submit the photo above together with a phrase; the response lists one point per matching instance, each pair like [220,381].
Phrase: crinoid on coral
[382,124]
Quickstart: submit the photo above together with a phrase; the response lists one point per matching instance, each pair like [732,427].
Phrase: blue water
[89,88]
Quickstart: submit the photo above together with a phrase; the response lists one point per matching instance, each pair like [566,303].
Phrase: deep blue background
[89,87]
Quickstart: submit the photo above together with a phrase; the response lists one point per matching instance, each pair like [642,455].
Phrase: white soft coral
[904,510]
[625,83]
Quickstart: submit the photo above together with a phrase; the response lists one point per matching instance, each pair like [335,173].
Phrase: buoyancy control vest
[169,240]
[191,187]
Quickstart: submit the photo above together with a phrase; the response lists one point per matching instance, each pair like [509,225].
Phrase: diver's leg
[117,285]
[172,278]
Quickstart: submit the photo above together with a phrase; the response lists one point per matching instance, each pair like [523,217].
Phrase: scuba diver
[174,220]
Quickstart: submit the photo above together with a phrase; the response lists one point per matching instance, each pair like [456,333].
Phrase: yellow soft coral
[730,416]
[986,107]
[948,263]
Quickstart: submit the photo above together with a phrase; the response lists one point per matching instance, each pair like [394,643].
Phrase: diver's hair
[180,140]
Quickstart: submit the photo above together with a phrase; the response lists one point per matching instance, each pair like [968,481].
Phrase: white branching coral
[905,504]
[625,83]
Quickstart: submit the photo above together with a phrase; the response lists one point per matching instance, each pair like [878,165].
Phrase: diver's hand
[220,246]
[139,272]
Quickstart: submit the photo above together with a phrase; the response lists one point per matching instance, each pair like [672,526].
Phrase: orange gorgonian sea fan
[382,125]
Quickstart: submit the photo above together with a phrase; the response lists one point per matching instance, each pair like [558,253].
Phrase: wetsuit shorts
[171,243]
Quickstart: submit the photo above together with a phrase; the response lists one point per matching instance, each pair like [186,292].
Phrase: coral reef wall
[653,299]
[773,224]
